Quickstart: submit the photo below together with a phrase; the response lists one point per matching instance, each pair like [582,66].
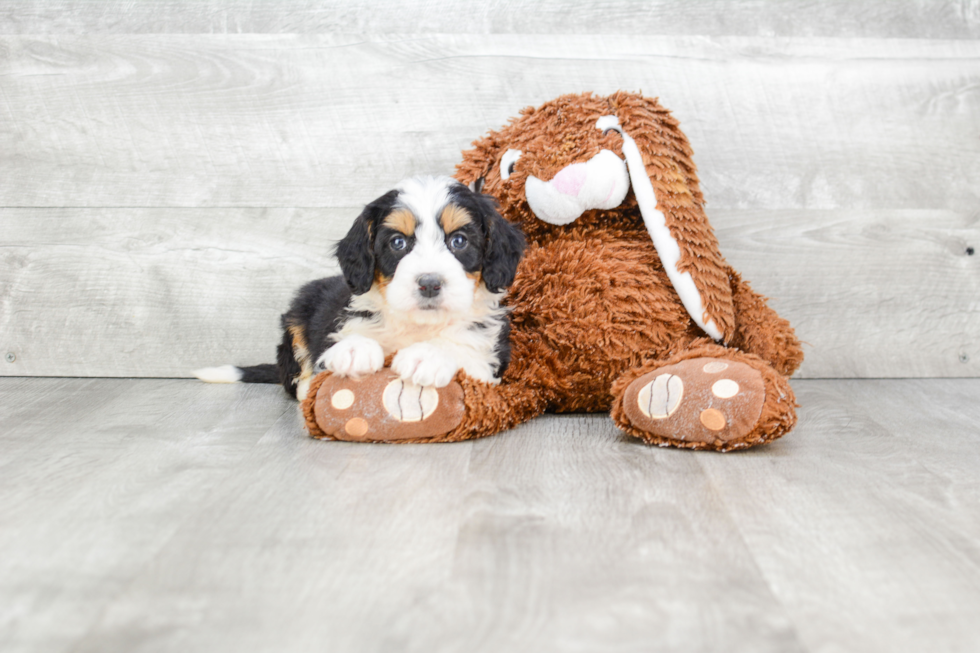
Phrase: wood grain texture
[143,292]
[152,515]
[947,19]
[880,520]
[293,120]
[310,548]
[660,555]
[870,293]
[160,292]
[97,476]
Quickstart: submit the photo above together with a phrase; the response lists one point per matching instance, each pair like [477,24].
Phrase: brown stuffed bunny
[622,302]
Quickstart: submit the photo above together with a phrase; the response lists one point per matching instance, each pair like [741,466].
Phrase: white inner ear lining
[656,224]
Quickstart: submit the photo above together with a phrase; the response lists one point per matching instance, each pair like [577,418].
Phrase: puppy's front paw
[425,364]
[353,356]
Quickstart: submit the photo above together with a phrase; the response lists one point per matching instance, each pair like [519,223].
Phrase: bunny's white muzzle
[600,183]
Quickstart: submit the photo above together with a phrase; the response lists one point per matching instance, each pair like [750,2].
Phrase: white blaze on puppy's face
[429,261]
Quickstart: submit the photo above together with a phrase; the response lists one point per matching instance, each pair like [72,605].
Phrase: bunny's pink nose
[570,180]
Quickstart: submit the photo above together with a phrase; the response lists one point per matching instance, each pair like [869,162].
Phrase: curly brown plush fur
[594,309]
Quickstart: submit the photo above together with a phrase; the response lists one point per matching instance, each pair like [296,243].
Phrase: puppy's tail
[266,373]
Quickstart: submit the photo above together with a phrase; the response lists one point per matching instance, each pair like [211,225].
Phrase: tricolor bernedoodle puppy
[425,267]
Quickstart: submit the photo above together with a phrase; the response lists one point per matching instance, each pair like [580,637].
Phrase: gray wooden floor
[169,515]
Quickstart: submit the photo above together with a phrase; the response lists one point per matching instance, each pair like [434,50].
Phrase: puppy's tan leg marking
[301,353]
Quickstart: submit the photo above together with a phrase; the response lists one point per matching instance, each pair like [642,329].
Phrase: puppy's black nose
[429,285]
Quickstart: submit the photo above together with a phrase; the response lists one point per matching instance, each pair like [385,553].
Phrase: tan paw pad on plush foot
[383,407]
[701,400]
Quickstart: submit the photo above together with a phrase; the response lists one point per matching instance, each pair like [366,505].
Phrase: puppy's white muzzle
[600,183]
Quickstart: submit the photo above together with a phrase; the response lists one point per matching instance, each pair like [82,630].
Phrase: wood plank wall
[171,171]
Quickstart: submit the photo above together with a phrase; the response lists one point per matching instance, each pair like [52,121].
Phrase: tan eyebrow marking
[401,220]
[453,217]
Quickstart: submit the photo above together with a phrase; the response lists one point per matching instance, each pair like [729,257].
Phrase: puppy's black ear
[355,252]
[504,247]
[477,185]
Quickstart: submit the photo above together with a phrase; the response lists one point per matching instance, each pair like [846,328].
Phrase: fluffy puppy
[425,267]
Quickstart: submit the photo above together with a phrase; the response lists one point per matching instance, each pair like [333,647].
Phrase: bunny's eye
[507,163]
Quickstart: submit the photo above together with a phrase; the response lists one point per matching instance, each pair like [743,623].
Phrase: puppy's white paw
[425,364]
[353,356]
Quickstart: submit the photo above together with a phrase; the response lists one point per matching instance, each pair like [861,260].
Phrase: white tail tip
[223,374]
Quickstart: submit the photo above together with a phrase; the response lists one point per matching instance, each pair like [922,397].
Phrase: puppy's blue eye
[397,243]
[458,241]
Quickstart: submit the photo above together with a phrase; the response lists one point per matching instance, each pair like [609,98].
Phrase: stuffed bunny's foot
[710,403]
[381,407]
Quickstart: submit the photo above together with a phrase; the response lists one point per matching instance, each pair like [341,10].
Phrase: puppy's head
[428,246]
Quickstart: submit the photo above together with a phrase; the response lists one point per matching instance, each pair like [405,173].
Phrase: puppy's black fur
[359,249]
[499,244]
[320,309]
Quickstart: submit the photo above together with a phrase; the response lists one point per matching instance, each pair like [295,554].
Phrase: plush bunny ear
[680,231]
